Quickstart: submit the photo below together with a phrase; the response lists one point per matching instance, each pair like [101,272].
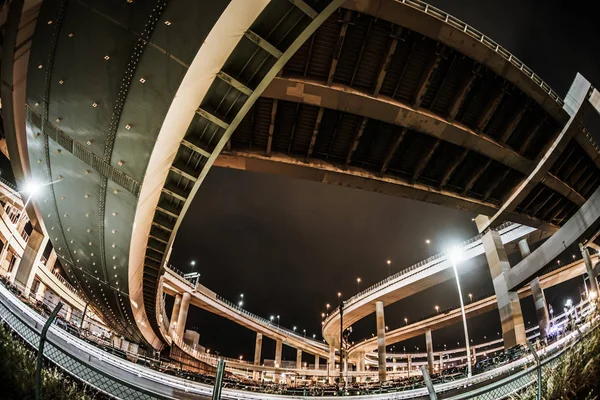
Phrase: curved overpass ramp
[127,105]
[204,298]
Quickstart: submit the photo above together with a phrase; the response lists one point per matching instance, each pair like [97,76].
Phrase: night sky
[291,245]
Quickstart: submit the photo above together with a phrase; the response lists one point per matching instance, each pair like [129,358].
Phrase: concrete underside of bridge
[125,106]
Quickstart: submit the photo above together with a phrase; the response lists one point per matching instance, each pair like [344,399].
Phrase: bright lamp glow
[455,253]
[592,295]
[31,187]
[569,303]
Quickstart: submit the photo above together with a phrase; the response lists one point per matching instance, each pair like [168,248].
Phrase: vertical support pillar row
[183,312]
[541,309]
[429,345]
[380,340]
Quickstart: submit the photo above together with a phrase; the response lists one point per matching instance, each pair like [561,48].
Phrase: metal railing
[439,256]
[257,318]
[495,47]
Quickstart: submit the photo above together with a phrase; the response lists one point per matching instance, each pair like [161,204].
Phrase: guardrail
[127,380]
[240,310]
[405,271]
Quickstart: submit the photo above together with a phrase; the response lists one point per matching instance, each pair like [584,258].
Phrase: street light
[327,308]
[437,309]
[357,285]
[193,263]
[389,263]
[406,321]
[427,242]
[278,321]
[470,296]
[455,255]
[294,329]
[304,330]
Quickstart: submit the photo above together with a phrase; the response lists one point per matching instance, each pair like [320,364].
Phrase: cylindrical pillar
[380,340]
[278,348]
[331,362]
[175,313]
[257,354]
[589,267]
[41,292]
[541,309]
[524,248]
[409,365]
[183,312]
[316,361]
[298,359]
[429,345]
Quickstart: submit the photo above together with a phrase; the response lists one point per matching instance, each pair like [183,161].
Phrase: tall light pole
[278,321]
[455,254]
[357,285]
[427,242]
[389,263]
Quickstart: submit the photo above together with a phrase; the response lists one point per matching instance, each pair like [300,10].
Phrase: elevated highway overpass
[175,285]
[386,95]
[411,280]
[479,307]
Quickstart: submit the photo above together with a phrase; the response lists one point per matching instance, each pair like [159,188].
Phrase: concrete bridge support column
[257,354]
[473,355]
[316,361]
[278,349]
[51,262]
[298,359]
[541,308]
[41,292]
[380,340]
[511,316]
[589,267]
[408,365]
[68,312]
[429,346]
[331,363]
[441,362]
[524,248]
[175,313]
[183,312]
[32,254]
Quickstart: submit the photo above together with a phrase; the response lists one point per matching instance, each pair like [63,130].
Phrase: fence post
[40,355]
[428,383]
[539,370]
[219,380]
